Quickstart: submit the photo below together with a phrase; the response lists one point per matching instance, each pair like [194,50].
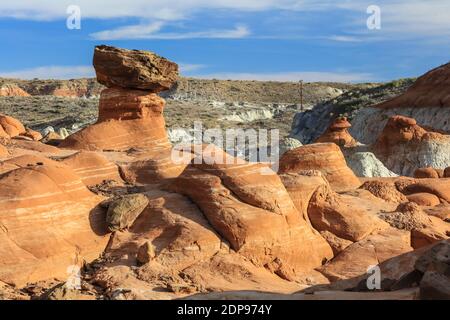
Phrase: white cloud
[343,38]
[153,9]
[190,67]
[400,18]
[151,31]
[73,72]
[141,31]
[51,72]
[292,76]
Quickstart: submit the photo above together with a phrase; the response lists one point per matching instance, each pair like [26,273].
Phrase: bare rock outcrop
[385,190]
[134,69]
[429,90]
[423,173]
[131,114]
[49,222]
[248,205]
[127,119]
[324,157]
[12,90]
[404,147]
[338,133]
[343,215]
[93,168]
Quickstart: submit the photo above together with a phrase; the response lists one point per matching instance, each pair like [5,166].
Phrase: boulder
[434,264]
[385,190]
[124,210]
[435,286]
[134,69]
[146,253]
[438,187]
[52,138]
[376,248]
[177,230]
[423,173]
[424,199]
[342,215]
[324,157]
[447,172]
[34,135]
[11,126]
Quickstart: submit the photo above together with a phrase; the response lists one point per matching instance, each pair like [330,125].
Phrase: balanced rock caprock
[338,133]
[134,69]
[131,113]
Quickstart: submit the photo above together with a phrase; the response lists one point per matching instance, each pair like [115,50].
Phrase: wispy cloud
[190,67]
[74,72]
[310,76]
[400,18]
[152,31]
[344,38]
[51,72]
[141,31]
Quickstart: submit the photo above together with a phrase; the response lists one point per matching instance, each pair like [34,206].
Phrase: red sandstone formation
[12,127]
[131,119]
[48,220]
[429,90]
[3,151]
[11,90]
[447,172]
[216,224]
[405,147]
[134,69]
[423,173]
[127,119]
[324,157]
[93,168]
[338,133]
[385,190]
[400,129]
[241,200]
[424,199]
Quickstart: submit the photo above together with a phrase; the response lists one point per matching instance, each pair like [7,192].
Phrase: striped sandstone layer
[49,221]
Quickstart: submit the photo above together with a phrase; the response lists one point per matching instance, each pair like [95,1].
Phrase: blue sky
[230,39]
